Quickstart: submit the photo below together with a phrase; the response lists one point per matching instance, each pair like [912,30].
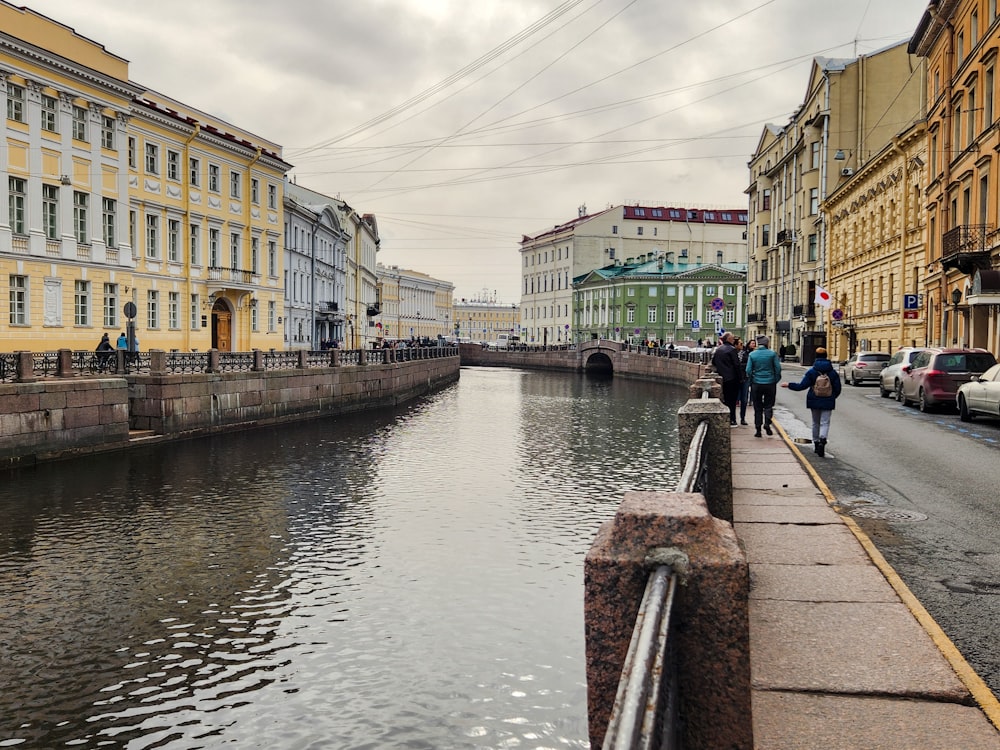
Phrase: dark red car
[933,378]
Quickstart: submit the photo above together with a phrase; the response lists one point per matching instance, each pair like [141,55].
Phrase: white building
[413,304]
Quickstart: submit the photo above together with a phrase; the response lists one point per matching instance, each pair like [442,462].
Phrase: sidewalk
[838,660]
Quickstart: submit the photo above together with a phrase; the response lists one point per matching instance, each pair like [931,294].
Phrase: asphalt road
[926,489]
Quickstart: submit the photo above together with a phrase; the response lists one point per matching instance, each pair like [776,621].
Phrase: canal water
[408,578]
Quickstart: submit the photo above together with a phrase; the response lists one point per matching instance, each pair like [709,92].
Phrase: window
[671,315]
[81,303]
[630,292]
[152,236]
[255,255]
[152,309]
[213,248]
[960,47]
[16,187]
[234,250]
[110,221]
[272,258]
[814,148]
[255,191]
[133,229]
[813,247]
[630,315]
[19,300]
[131,152]
[974,28]
[174,310]
[688,314]
[765,235]
[173,241]
[80,204]
[15,102]
[271,316]
[194,167]
[110,305]
[765,200]
[235,184]
[50,115]
[152,158]
[813,201]
[50,211]
[254,318]
[614,229]
[107,132]
[173,166]
[957,135]
[79,123]
[213,178]
[719,257]
[195,242]
[638,231]
[970,135]
[651,314]
[272,196]
[195,320]
[988,98]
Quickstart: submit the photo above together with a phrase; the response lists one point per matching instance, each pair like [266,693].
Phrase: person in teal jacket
[821,407]
[764,373]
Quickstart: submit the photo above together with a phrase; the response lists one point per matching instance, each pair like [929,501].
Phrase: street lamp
[956,297]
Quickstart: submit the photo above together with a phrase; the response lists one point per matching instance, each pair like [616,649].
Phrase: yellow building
[116,194]
[959,40]
[413,304]
[482,318]
[876,255]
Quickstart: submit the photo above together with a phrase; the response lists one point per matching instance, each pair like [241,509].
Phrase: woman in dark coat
[821,406]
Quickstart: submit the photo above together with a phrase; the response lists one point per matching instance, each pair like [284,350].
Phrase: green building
[655,297]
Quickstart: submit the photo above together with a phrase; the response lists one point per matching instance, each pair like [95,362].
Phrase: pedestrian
[122,341]
[104,350]
[823,384]
[764,371]
[743,351]
[726,362]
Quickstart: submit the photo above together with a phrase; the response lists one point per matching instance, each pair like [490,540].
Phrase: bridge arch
[598,363]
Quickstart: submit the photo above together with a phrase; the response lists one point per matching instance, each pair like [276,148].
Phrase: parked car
[888,381]
[863,366]
[933,378]
[980,395]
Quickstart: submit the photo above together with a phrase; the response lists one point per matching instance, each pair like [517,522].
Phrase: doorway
[222,327]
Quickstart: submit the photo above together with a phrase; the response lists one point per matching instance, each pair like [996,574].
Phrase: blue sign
[910,301]
[695,325]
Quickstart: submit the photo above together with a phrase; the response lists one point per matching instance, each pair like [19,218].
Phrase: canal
[409,578]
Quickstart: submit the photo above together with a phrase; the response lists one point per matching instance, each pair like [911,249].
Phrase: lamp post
[956,297]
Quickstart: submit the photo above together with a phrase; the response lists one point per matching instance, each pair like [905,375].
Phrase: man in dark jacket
[821,406]
[726,362]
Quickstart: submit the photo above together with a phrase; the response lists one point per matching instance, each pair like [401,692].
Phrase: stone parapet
[712,635]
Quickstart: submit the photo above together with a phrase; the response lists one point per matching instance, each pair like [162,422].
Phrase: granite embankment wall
[56,418]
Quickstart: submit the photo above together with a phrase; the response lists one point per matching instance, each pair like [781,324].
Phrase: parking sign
[910,301]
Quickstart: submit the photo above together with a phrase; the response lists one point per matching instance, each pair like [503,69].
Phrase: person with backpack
[764,373]
[823,385]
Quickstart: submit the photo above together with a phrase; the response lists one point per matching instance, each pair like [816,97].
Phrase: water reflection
[399,579]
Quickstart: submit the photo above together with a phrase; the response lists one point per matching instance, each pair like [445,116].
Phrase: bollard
[711,615]
[718,456]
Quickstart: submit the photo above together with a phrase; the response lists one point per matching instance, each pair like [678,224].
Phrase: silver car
[863,366]
[981,395]
[888,382]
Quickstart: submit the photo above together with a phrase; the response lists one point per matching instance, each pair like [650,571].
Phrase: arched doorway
[222,326]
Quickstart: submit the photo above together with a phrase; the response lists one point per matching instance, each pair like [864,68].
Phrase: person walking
[104,350]
[764,372]
[726,362]
[823,384]
[743,352]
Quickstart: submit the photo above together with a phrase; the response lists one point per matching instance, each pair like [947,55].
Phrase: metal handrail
[644,716]
[694,475]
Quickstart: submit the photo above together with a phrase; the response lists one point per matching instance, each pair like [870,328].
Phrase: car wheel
[922,402]
[882,390]
[899,393]
[963,410]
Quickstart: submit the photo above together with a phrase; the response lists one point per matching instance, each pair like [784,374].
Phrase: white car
[980,396]
[892,373]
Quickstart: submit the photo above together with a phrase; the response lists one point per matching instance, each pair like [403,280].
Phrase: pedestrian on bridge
[726,362]
[743,351]
[821,398]
[764,371]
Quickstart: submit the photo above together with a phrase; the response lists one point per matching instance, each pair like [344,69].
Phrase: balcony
[756,318]
[784,237]
[330,306]
[967,248]
[808,311]
[236,275]
[373,310]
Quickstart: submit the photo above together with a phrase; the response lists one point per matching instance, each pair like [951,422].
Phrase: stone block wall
[45,419]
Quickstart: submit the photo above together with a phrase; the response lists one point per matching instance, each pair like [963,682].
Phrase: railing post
[64,363]
[157,362]
[26,367]
[303,361]
[213,360]
[258,360]
[712,640]
[718,456]
[362,356]
[335,358]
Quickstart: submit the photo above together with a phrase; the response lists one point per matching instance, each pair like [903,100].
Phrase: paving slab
[820,583]
[783,496]
[863,648]
[800,514]
[772,480]
[800,545]
[800,721]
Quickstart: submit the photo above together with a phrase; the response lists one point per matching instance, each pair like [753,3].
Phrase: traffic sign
[718,303]
[910,302]
[837,314]
[695,325]
[911,314]
[130,310]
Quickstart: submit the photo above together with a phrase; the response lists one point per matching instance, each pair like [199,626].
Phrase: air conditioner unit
[846,172]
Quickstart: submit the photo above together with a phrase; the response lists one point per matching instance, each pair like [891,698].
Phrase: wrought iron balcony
[330,306]
[807,310]
[784,237]
[756,318]
[967,247]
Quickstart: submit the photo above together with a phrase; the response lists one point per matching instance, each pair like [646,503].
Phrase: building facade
[650,298]
[116,194]
[315,264]
[413,305]
[852,108]
[552,259]
[959,40]
[482,318]
[877,258]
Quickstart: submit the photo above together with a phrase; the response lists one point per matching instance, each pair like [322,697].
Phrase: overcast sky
[463,124]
